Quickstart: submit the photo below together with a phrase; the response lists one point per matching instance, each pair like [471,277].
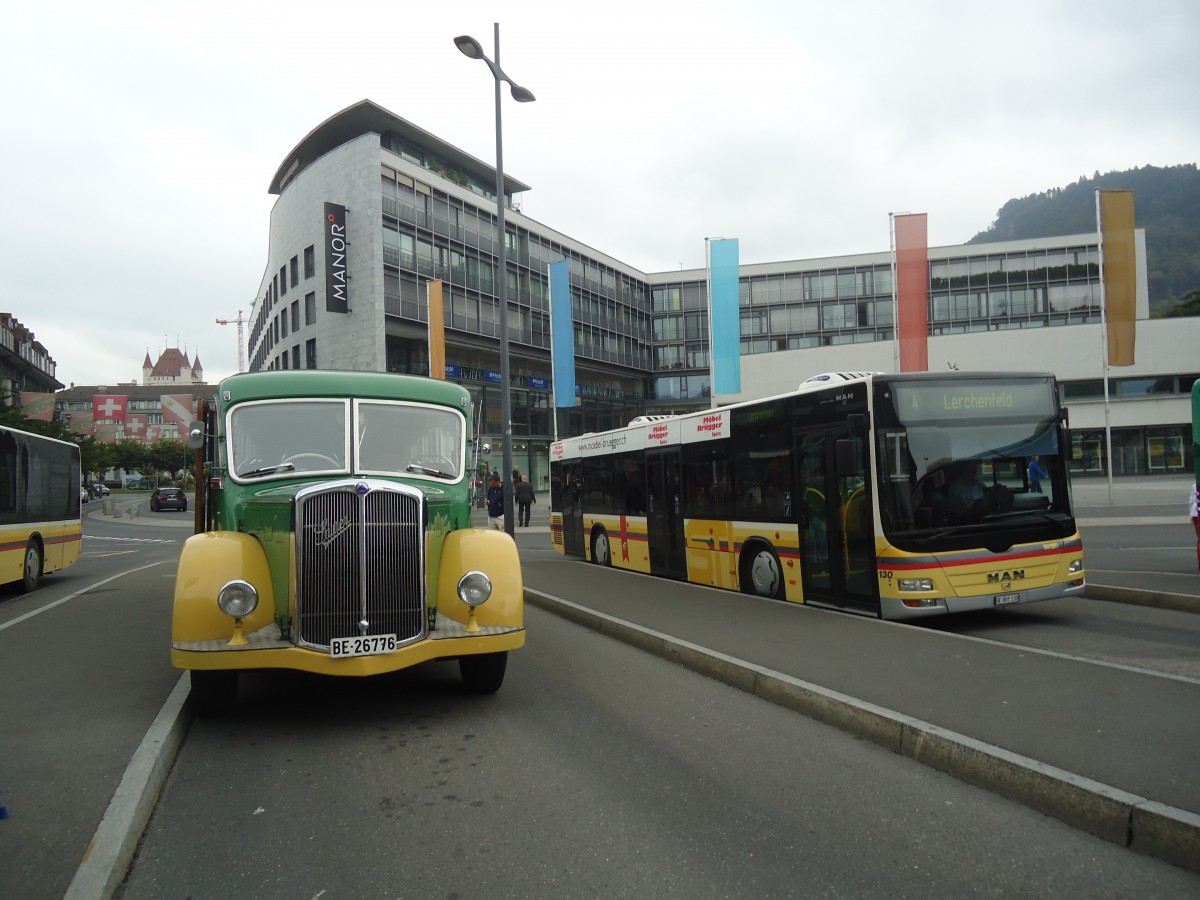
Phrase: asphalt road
[122,682]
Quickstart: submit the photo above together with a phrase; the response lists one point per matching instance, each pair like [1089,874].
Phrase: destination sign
[944,401]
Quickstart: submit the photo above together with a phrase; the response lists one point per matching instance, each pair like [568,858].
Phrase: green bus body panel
[264,510]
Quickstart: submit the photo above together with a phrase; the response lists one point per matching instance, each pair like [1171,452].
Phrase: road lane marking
[61,600]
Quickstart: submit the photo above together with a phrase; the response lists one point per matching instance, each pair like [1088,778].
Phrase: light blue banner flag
[724,316]
[562,334]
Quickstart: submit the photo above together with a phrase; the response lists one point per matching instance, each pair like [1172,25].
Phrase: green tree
[130,455]
[1167,206]
[169,455]
[1188,305]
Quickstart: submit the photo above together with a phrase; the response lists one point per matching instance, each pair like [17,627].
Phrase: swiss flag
[135,427]
[109,407]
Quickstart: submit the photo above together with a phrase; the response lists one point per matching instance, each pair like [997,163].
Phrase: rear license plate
[367,645]
[1002,599]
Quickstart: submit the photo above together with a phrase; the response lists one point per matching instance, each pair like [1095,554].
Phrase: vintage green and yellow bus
[897,496]
[40,526]
[333,535]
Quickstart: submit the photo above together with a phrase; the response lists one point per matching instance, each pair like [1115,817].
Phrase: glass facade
[641,341]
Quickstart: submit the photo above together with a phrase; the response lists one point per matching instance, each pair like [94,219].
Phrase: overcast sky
[139,137]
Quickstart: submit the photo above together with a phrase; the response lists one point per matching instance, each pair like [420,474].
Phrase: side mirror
[195,438]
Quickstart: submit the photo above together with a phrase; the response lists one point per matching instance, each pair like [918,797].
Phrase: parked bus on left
[40,528]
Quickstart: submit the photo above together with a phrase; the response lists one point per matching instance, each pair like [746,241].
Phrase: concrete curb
[106,860]
[1145,826]
[1137,597]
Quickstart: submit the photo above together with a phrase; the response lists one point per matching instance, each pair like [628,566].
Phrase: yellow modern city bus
[40,528]
[897,496]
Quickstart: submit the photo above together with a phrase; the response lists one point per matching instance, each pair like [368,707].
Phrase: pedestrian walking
[495,503]
[525,500]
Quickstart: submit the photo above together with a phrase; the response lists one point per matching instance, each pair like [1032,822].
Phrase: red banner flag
[177,410]
[39,407]
[82,422]
[135,427]
[912,291]
[109,407]
[107,433]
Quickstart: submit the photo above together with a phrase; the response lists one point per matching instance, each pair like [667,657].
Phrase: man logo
[1014,575]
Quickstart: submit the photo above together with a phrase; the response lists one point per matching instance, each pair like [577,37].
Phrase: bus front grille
[359,563]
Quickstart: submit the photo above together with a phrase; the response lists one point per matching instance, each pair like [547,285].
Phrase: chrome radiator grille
[359,564]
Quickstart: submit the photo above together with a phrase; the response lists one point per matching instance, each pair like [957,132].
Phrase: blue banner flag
[562,334]
[724,316]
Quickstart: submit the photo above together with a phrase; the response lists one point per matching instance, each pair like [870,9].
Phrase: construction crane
[239,322]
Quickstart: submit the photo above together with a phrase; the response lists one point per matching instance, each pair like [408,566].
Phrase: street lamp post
[468,46]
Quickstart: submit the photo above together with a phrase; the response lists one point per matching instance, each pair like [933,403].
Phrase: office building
[371,208]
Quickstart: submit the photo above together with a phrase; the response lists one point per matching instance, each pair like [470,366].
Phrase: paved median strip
[1143,825]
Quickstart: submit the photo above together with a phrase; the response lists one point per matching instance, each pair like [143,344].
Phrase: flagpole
[1104,348]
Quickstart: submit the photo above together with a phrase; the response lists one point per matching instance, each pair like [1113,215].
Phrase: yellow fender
[495,554]
[208,562]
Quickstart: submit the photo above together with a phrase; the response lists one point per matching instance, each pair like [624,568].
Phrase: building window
[296,356]
[296,319]
[310,261]
[282,280]
[295,266]
[310,354]
[310,308]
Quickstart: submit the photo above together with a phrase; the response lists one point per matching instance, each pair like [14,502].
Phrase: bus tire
[601,548]
[761,573]
[31,573]
[483,673]
[214,691]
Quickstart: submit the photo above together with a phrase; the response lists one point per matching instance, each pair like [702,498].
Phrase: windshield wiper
[427,470]
[268,470]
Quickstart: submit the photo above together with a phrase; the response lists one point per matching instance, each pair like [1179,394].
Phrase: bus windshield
[287,438]
[957,462]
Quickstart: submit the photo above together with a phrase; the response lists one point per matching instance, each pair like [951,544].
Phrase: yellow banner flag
[1120,274]
[437,332]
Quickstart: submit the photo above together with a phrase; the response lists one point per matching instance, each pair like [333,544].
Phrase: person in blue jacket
[495,503]
[1036,474]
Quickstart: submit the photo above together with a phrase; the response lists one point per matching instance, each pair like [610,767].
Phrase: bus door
[837,534]
[664,514]
[572,508]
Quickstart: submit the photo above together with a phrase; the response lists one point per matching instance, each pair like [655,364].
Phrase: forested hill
[1166,203]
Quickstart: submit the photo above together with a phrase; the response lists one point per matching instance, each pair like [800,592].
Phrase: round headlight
[474,588]
[238,598]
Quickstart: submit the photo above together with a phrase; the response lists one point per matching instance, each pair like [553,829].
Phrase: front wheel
[31,574]
[483,673]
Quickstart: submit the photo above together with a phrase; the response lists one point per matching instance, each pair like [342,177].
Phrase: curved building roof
[366,117]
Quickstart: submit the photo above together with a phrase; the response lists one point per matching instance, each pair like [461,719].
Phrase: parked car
[168,498]
[100,490]
[84,496]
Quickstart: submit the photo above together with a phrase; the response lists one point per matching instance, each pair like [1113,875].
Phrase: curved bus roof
[290,383]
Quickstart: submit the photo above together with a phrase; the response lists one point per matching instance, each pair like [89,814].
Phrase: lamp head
[468,46]
[520,94]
